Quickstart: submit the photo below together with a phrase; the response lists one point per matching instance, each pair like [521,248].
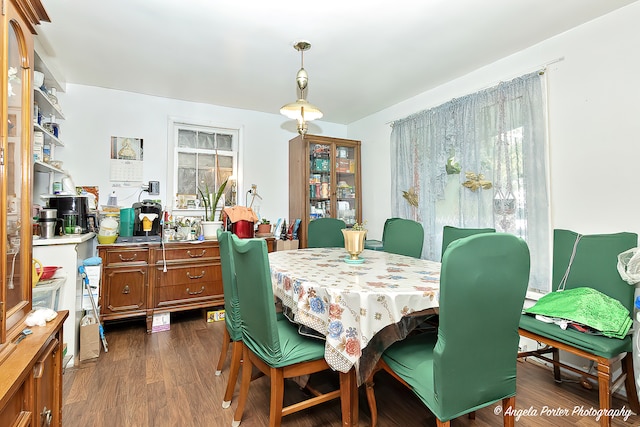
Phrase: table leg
[349,398]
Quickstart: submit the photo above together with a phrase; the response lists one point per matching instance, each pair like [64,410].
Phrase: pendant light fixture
[301,110]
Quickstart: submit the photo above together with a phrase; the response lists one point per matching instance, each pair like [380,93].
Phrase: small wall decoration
[126,161]
[476,181]
[411,197]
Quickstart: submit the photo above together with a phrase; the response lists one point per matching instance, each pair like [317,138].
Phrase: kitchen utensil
[47,272]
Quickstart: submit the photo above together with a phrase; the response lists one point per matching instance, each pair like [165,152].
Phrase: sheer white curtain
[478,161]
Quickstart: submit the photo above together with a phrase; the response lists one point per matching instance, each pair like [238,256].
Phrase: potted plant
[210,203]
[264,227]
[354,241]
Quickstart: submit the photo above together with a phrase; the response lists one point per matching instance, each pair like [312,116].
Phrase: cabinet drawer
[190,253]
[124,289]
[183,284]
[125,256]
[15,412]
[189,276]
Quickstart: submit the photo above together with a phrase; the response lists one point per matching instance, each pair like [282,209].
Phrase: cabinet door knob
[46,417]
[125,290]
[195,277]
[195,292]
[195,255]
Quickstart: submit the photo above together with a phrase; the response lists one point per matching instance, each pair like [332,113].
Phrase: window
[478,161]
[201,157]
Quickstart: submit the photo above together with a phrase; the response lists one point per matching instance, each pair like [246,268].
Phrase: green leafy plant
[359,226]
[210,205]
[265,221]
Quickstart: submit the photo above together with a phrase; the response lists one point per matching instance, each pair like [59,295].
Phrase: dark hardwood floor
[167,379]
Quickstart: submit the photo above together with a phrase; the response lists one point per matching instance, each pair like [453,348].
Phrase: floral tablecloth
[350,303]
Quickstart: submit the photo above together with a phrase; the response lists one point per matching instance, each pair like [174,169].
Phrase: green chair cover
[403,236]
[471,363]
[276,342]
[593,266]
[377,245]
[449,234]
[271,344]
[231,305]
[325,233]
[588,261]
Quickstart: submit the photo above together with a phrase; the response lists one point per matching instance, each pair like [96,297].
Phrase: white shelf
[47,108]
[48,136]
[45,168]
[50,80]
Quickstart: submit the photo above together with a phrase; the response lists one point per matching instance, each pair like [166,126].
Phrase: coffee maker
[72,205]
[147,215]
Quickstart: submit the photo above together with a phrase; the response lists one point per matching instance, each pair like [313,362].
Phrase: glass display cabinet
[324,181]
[30,362]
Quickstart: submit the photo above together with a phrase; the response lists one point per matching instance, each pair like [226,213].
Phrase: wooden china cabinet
[30,365]
[324,181]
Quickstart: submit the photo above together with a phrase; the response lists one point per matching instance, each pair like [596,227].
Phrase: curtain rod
[540,68]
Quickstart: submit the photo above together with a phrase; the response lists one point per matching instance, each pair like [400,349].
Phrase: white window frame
[175,125]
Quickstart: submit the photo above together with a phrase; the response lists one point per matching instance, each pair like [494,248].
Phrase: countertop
[64,240]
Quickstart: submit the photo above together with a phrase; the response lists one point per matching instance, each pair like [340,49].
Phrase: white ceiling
[366,55]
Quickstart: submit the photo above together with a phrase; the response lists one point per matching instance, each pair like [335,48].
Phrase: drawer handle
[195,277]
[125,290]
[204,251]
[46,416]
[195,292]
[128,259]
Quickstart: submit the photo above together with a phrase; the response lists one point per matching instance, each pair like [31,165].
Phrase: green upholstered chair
[325,233]
[449,234]
[594,265]
[273,346]
[471,362]
[232,332]
[403,236]
[377,245]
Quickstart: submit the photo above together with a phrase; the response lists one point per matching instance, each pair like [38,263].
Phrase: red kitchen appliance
[243,229]
[240,221]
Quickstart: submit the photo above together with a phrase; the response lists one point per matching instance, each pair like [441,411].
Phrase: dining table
[358,307]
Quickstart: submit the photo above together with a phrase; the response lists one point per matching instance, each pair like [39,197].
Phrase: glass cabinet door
[346,201]
[15,250]
[320,184]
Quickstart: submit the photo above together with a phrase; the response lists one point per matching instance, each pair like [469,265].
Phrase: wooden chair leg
[371,399]
[556,364]
[442,423]
[472,415]
[604,392]
[234,369]
[277,397]
[226,338]
[508,405]
[630,383]
[247,368]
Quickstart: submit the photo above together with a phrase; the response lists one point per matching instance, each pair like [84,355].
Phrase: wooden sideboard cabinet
[31,380]
[142,279]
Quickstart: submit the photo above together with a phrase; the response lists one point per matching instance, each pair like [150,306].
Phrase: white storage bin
[47,295]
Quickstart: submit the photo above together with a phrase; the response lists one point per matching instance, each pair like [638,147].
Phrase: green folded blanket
[586,306]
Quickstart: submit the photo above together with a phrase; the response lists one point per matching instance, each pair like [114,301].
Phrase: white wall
[93,115]
[594,125]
